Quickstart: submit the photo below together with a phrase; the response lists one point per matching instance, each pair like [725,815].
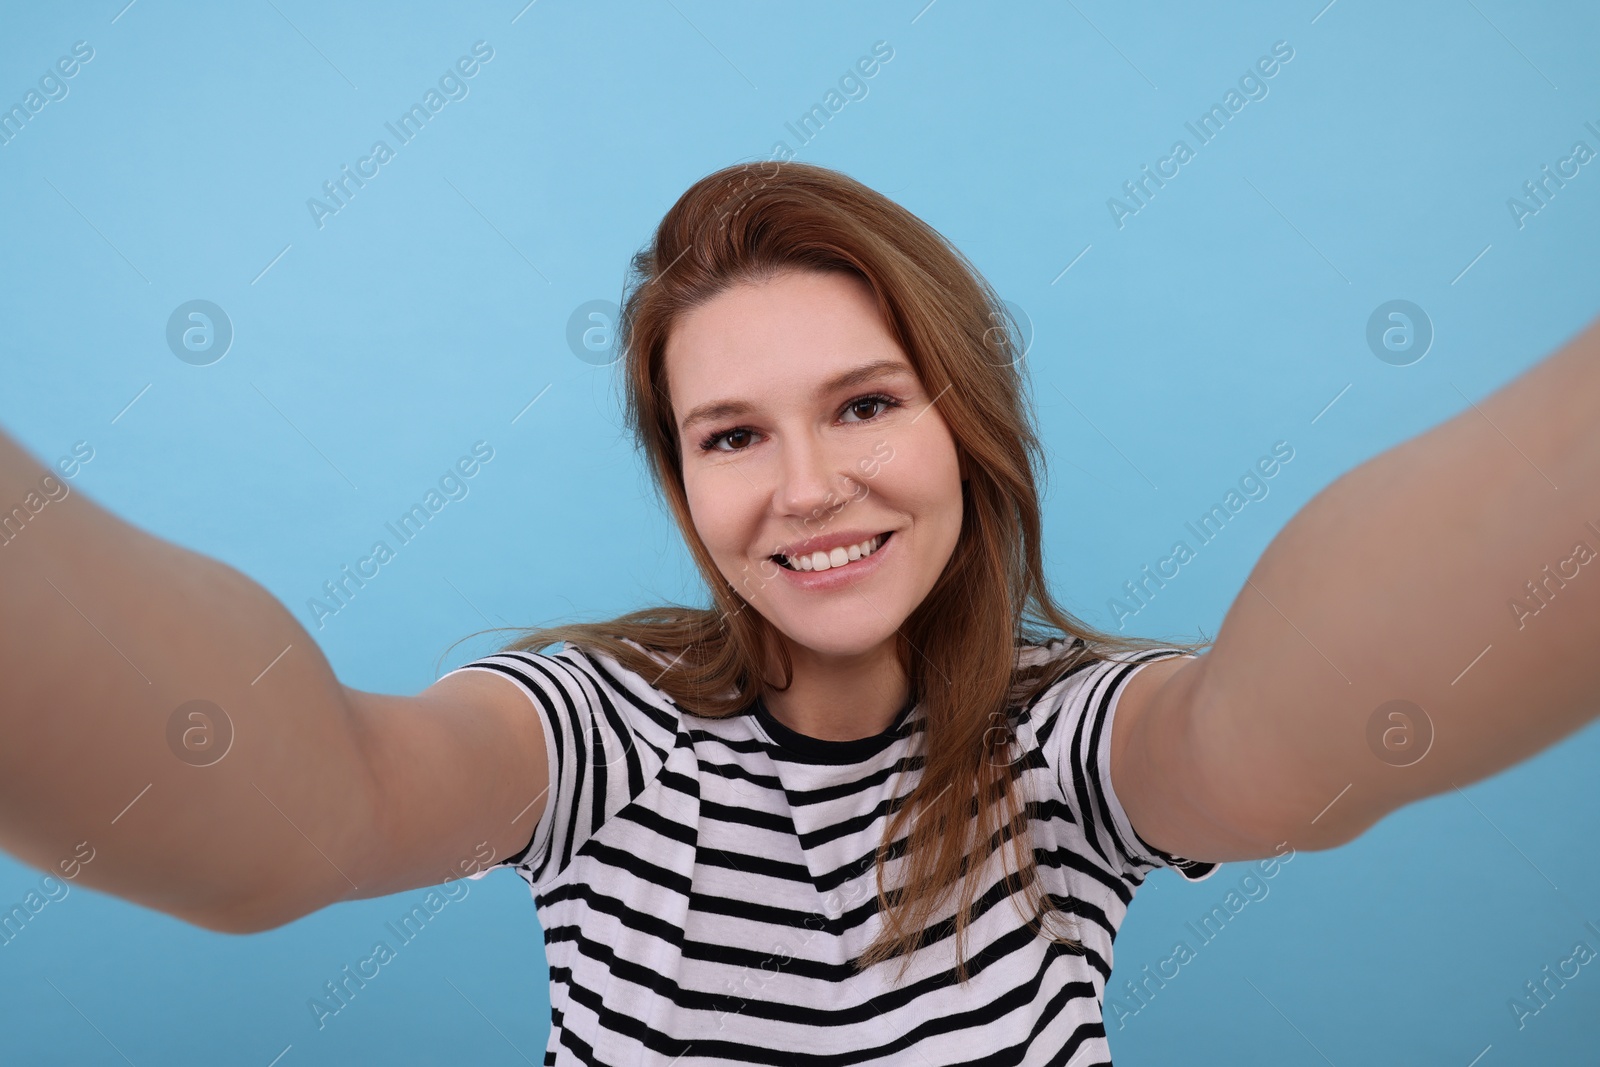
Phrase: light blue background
[426,315]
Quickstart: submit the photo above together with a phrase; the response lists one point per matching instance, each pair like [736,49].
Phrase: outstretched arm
[1430,618]
[171,735]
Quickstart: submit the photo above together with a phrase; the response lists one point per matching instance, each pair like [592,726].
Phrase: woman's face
[807,442]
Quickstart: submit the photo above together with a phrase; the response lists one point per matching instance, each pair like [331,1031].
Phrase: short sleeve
[598,720]
[1074,731]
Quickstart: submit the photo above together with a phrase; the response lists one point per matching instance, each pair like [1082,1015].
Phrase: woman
[883,801]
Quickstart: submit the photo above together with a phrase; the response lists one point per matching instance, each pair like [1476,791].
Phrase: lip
[839,577]
[840,539]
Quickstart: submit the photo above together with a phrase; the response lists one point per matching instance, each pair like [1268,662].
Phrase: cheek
[925,471]
[703,512]
[931,481]
[721,511]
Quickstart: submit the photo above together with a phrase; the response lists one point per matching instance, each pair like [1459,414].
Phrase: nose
[812,482]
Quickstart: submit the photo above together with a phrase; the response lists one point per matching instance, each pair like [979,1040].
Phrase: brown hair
[747,223]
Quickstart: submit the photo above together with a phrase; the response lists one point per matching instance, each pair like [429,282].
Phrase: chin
[824,639]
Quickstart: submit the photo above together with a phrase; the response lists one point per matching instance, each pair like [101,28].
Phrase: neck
[839,698]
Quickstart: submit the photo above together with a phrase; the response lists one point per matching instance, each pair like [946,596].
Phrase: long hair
[959,648]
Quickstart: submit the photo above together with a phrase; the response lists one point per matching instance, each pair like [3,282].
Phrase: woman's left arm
[1428,619]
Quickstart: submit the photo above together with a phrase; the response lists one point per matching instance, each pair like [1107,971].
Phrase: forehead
[778,337]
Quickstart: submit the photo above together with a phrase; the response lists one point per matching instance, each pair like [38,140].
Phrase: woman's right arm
[324,794]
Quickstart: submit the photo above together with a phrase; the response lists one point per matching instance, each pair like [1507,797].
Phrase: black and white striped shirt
[704,884]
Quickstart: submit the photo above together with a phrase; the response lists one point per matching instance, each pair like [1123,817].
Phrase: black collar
[808,749]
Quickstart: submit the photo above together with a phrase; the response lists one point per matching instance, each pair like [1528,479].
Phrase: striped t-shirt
[704,884]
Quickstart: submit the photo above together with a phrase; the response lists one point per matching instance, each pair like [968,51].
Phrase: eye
[712,443]
[738,438]
[867,403]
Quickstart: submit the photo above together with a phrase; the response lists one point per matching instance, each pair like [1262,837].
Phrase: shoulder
[581,682]
[631,690]
[1071,683]
[1088,727]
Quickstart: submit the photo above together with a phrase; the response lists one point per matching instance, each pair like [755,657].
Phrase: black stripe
[1117,680]
[1072,751]
[736,772]
[621,739]
[744,863]
[777,822]
[801,798]
[537,695]
[1057,858]
[621,859]
[1088,1030]
[827,881]
[668,722]
[891,1000]
[647,818]
[1020,996]
[574,769]
[782,921]
[587,726]
[592,900]
[744,746]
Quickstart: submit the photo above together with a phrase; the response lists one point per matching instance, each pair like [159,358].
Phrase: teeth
[837,557]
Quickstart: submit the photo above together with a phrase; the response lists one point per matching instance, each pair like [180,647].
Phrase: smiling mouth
[838,557]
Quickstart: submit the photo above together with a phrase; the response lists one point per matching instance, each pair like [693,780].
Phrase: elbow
[1337,832]
[1331,830]
[248,917]
[225,924]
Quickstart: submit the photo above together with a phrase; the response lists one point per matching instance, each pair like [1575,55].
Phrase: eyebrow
[716,410]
